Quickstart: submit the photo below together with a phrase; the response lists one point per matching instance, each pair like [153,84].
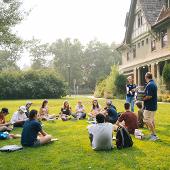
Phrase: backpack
[123,138]
[4,135]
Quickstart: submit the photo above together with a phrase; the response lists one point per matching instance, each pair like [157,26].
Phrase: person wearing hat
[130,92]
[110,112]
[3,125]
[28,105]
[19,117]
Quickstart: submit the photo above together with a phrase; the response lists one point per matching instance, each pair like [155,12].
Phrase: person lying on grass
[19,117]
[100,134]
[32,133]
[3,125]
[44,112]
[95,110]
[129,118]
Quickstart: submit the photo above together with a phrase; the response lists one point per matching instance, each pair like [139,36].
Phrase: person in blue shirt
[32,133]
[130,92]
[150,105]
[110,112]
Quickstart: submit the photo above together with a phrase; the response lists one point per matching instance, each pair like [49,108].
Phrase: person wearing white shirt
[80,111]
[100,134]
[19,117]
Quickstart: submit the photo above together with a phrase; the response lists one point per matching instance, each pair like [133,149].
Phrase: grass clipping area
[73,150]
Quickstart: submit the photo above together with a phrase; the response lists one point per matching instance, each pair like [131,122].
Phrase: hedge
[31,85]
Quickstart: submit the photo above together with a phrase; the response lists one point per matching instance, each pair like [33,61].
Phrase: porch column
[135,75]
[139,77]
[158,73]
[152,70]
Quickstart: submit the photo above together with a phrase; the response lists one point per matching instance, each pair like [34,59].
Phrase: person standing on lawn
[150,105]
[130,92]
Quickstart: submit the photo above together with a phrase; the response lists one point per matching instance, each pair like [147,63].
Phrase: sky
[85,20]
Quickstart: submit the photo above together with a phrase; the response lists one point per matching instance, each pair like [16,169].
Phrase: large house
[146,46]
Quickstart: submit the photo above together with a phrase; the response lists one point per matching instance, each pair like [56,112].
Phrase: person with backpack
[129,118]
[100,134]
[32,133]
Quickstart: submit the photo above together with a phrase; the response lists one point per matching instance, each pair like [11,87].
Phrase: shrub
[106,88]
[31,84]
[166,75]
[120,83]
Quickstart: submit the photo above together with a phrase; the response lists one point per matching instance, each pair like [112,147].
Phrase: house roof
[151,9]
[163,18]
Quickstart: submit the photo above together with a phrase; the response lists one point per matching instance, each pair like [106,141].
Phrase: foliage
[73,150]
[38,53]
[107,88]
[31,84]
[166,75]
[88,64]
[11,45]
[120,83]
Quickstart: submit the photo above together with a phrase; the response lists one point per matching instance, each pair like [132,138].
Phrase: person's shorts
[148,116]
[37,143]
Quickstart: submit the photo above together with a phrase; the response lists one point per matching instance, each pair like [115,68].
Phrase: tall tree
[10,44]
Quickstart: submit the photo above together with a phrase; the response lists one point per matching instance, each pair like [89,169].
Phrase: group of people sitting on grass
[103,121]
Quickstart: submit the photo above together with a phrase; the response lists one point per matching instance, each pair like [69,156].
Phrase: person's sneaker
[154,138]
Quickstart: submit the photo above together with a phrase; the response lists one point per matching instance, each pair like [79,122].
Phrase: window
[127,56]
[142,42]
[147,41]
[167,3]
[164,38]
[153,45]
[140,19]
[134,51]
[138,45]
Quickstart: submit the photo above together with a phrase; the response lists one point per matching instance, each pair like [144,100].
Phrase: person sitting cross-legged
[3,125]
[100,134]
[32,133]
[110,112]
[19,117]
[129,118]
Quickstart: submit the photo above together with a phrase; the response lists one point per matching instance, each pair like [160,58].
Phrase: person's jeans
[130,99]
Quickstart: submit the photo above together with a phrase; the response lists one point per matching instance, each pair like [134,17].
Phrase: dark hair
[4,110]
[64,105]
[44,102]
[148,75]
[100,118]
[127,106]
[96,105]
[139,104]
[32,114]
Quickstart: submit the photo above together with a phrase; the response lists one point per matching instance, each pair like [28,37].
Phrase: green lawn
[73,151]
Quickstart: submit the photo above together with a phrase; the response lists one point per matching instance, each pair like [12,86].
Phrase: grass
[73,151]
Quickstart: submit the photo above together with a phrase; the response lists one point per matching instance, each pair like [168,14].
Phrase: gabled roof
[163,18]
[151,10]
